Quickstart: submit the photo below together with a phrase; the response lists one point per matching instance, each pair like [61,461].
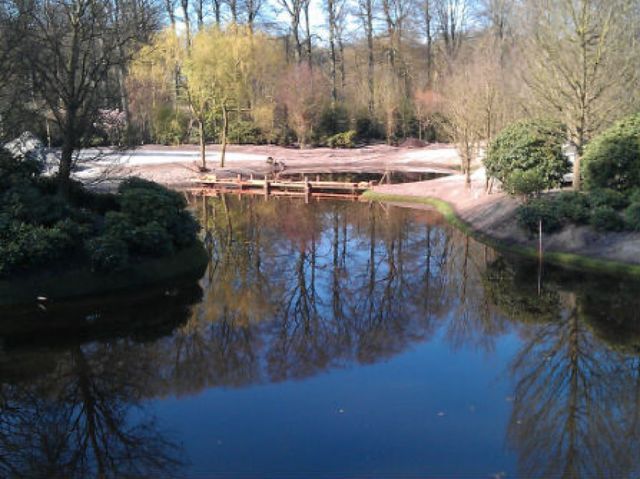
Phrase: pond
[336,339]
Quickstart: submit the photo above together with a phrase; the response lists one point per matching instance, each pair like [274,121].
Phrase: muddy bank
[493,215]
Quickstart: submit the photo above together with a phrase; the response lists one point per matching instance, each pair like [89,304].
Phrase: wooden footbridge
[278,187]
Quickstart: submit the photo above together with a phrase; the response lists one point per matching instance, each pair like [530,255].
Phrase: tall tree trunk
[216,11]
[370,58]
[225,129]
[295,30]
[343,72]
[203,153]
[187,23]
[66,161]
[332,48]
[308,31]
[429,35]
[233,6]
[172,16]
[200,13]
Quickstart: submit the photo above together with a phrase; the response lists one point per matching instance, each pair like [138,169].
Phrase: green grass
[567,260]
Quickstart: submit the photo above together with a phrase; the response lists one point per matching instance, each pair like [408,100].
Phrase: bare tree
[332,15]
[577,64]
[294,8]
[365,12]
[452,16]
[187,21]
[429,34]
[217,11]
[233,8]
[252,8]
[71,47]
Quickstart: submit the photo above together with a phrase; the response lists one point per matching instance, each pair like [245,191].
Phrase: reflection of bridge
[277,187]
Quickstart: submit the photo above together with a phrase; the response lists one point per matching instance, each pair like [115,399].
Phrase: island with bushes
[54,245]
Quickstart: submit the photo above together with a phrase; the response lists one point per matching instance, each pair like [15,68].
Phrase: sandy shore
[494,216]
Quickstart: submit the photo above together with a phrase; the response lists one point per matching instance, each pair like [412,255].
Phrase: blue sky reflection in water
[330,340]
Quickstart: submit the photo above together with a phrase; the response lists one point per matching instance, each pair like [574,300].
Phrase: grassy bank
[567,260]
[189,263]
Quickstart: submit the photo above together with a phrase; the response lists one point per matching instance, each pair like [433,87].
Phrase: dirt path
[495,216]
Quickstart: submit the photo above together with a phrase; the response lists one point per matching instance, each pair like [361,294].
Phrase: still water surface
[330,340]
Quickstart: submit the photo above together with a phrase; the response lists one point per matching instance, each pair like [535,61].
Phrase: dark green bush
[24,246]
[333,121]
[145,208]
[38,227]
[342,140]
[151,239]
[529,215]
[573,207]
[527,157]
[107,254]
[605,218]
[632,217]
[118,225]
[607,197]
[612,159]
[144,201]
[366,128]
[634,196]
[525,183]
[184,229]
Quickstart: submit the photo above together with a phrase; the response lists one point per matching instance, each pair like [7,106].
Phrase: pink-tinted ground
[178,166]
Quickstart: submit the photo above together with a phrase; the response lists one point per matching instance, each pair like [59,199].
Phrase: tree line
[83,72]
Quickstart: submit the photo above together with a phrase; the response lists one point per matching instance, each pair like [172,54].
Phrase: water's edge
[189,263]
[567,260]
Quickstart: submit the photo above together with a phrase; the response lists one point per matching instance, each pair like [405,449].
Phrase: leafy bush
[151,239]
[612,159]
[24,245]
[526,183]
[107,254]
[605,218]
[530,214]
[144,201]
[333,121]
[342,140]
[39,228]
[527,157]
[183,229]
[573,207]
[366,128]
[607,197]
[118,225]
[634,196]
[152,219]
[632,217]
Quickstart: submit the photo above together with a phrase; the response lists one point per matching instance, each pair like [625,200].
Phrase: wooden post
[266,188]
[307,190]
[540,240]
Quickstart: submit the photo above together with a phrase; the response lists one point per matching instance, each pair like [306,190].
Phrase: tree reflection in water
[577,397]
[73,406]
[292,290]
